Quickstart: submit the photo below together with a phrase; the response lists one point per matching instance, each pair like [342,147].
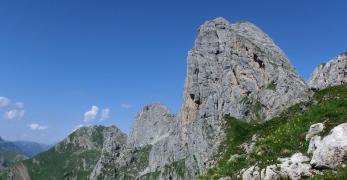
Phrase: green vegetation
[178,167]
[271,86]
[254,106]
[59,165]
[151,176]
[280,136]
[9,157]
[68,160]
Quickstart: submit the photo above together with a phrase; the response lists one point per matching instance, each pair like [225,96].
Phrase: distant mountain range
[12,152]
[31,149]
[26,148]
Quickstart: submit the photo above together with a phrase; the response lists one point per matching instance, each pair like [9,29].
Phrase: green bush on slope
[280,136]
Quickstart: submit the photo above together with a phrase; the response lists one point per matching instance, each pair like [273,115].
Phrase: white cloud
[19,105]
[126,106]
[35,126]
[91,115]
[14,114]
[4,101]
[105,114]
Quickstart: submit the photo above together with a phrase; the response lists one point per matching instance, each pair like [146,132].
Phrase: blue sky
[60,58]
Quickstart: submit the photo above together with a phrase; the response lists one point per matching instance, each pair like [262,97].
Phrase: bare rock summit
[332,73]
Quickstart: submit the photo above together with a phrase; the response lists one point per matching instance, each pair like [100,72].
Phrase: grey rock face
[113,146]
[270,173]
[233,69]
[151,125]
[314,130]
[252,173]
[332,150]
[294,167]
[233,66]
[330,74]
[314,143]
[313,138]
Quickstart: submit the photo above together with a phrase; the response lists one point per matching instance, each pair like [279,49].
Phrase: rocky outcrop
[313,136]
[332,150]
[87,138]
[332,73]
[19,172]
[294,167]
[329,152]
[314,130]
[113,146]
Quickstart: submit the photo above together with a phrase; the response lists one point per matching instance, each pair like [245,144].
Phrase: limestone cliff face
[234,66]
[152,124]
[233,69]
[332,73]
[113,144]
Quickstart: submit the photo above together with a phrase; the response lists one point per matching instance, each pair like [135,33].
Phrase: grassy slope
[59,165]
[281,136]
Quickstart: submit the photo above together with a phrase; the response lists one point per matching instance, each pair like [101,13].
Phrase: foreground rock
[294,167]
[328,153]
[313,137]
[332,150]
[332,73]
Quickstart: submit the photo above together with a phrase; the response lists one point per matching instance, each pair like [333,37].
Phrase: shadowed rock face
[332,73]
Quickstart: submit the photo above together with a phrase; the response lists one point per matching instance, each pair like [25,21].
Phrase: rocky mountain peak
[91,137]
[217,23]
[242,61]
[237,70]
[152,123]
[332,73]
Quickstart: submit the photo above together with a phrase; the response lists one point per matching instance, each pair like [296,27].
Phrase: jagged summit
[219,23]
[332,73]
[245,29]
[153,116]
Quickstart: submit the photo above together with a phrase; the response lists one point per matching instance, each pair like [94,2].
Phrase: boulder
[332,150]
